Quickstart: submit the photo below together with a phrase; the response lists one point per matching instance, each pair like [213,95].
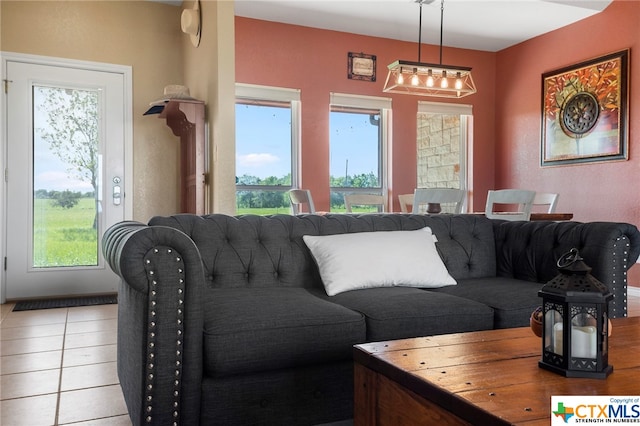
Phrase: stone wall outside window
[438,151]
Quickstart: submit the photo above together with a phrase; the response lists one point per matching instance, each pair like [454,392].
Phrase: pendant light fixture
[426,79]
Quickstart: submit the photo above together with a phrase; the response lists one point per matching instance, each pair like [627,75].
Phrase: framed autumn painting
[584,111]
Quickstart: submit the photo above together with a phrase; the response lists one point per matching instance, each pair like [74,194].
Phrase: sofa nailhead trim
[151,336]
[625,259]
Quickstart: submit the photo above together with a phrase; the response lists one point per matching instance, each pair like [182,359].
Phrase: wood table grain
[479,378]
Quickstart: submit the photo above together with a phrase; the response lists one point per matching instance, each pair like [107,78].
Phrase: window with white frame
[267,141]
[442,138]
[357,146]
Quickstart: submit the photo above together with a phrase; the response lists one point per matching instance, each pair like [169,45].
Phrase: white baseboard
[633,291]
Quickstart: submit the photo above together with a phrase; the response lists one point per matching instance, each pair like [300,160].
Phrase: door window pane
[66,128]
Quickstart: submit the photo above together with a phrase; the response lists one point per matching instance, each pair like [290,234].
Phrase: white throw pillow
[378,259]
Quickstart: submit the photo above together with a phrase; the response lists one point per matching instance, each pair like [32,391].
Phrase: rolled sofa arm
[530,250]
[160,321]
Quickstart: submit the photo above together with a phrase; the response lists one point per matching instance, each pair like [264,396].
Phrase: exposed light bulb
[444,83]
[400,79]
[430,79]
[458,84]
[414,78]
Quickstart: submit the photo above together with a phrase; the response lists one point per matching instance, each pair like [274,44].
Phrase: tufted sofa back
[268,251]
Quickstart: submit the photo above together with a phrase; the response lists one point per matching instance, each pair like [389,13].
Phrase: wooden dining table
[554,217]
[551,216]
[543,216]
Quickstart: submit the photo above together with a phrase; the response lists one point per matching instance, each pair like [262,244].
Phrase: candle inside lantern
[583,342]
[557,338]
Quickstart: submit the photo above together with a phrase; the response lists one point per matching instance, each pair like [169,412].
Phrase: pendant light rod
[420,34]
[421,2]
[441,26]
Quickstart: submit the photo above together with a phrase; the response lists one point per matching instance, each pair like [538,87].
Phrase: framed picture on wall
[584,111]
[361,66]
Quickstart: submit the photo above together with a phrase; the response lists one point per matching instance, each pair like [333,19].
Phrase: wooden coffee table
[480,378]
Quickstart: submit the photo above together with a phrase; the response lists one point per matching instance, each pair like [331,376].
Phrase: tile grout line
[56,419]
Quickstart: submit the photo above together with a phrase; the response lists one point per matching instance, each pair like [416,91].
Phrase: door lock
[117,191]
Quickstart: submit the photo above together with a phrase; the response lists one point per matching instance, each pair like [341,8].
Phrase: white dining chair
[299,197]
[375,200]
[521,198]
[549,199]
[406,200]
[452,196]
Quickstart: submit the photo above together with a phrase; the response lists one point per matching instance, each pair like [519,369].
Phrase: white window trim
[272,93]
[280,94]
[359,101]
[444,108]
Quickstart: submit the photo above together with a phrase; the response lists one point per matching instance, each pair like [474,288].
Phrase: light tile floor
[58,366]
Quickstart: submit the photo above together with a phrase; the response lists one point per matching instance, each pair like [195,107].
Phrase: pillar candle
[583,342]
[556,346]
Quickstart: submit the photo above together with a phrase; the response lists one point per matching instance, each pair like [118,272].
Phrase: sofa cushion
[248,330]
[378,259]
[512,300]
[401,312]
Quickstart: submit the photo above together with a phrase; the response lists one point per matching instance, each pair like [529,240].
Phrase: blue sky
[264,154]
[354,143]
[259,153]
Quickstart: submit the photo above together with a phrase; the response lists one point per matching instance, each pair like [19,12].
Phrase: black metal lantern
[575,321]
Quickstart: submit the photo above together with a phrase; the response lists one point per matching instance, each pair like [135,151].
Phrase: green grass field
[64,237]
[264,211]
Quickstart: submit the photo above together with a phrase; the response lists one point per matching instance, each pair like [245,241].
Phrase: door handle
[117,191]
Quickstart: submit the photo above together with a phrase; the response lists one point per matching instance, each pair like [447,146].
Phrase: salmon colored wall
[605,191]
[315,61]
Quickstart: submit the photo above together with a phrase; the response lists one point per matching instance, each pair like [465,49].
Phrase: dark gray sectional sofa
[225,320]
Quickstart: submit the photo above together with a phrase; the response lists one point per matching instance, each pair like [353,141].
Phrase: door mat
[69,302]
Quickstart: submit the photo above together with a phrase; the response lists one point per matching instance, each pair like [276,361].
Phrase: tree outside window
[356,153]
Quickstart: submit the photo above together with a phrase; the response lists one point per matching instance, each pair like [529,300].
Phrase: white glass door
[65,178]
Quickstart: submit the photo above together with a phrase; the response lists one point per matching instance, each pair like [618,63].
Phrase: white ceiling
[489,25]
